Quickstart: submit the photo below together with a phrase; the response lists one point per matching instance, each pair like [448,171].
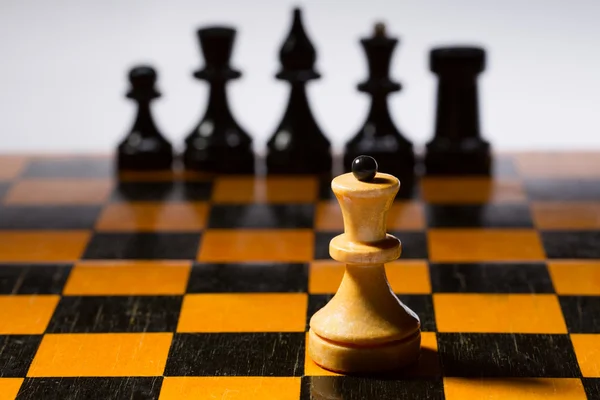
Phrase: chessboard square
[491,278]
[26,314]
[482,215]
[592,388]
[230,388]
[58,191]
[16,354]
[406,277]
[516,388]
[265,190]
[236,354]
[498,313]
[563,189]
[48,217]
[558,164]
[403,215]
[414,244]
[243,312]
[566,215]
[507,355]
[113,354]
[70,167]
[40,246]
[226,245]
[59,388]
[143,246]
[321,244]
[9,387]
[587,350]
[380,388]
[472,191]
[575,277]
[128,278]
[315,303]
[249,216]
[115,314]
[477,245]
[248,278]
[11,166]
[422,305]
[153,217]
[33,279]
[162,191]
[582,313]
[571,244]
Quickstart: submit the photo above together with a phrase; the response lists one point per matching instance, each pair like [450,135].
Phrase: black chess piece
[218,144]
[298,145]
[457,147]
[379,137]
[144,148]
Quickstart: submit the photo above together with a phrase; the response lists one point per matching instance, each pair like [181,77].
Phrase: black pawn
[379,137]
[298,145]
[457,147]
[144,148]
[218,144]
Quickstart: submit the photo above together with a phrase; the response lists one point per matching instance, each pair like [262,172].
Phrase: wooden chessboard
[176,286]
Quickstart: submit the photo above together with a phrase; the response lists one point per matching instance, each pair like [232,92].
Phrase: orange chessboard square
[473,245]
[59,191]
[265,190]
[101,354]
[230,388]
[579,278]
[403,215]
[498,313]
[587,350]
[405,277]
[124,278]
[243,312]
[222,245]
[566,215]
[514,389]
[472,191]
[26,315]
[11,166]
[9,388]
[153,217]
[42,246]
[558,165]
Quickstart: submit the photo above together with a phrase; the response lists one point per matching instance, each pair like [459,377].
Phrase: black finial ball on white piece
[364,168]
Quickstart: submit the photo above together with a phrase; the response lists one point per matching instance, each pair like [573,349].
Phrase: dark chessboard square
[362,388]
[484,215]
[162,191]
[490,278]
[236,354]
[414,244]
[275,216]
[422,305]
[116,314]
[581,313]
[563,189]
[322,240]
[315,303]
[48,217]
[571,244]
[592,388]
[70,168]
[16,354]
[248,278]
[146,388]
[507,355]
[33,279]
[144,246]
[325,192]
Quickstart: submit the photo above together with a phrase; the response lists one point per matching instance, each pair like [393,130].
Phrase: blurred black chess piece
[298,145]
[144,148]
[457,147]
[379,137]
[218,144]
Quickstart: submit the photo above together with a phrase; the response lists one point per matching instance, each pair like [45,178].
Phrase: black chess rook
[144,148]
[457,147]
[298,145]
[218,144]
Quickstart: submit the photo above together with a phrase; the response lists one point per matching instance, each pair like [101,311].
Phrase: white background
[63,67]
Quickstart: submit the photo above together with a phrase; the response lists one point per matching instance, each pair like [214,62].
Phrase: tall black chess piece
[379,137]
[298,145]
[144,148]
[457,147]
[218,144]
